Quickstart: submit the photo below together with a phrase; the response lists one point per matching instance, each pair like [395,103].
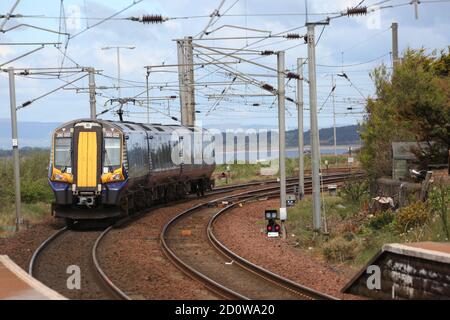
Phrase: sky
[354,45]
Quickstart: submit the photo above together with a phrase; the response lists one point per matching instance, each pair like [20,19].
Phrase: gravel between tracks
[72,248]
[132,257]
[239,231]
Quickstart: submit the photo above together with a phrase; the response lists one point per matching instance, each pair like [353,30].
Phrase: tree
[412,104]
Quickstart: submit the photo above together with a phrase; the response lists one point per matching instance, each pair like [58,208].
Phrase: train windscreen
[63,152]
[112,152]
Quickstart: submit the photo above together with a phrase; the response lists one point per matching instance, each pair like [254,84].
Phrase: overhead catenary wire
[106,19]
[27,103]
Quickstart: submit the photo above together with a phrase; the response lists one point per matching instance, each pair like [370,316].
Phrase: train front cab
[86,171]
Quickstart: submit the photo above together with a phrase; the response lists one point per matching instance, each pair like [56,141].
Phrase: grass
[35,192]
[32,213]
[354,235]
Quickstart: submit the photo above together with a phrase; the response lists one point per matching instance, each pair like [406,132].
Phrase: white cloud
[154,45]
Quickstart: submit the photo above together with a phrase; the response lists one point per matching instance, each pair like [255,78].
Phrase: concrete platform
[16,284]
[418,270]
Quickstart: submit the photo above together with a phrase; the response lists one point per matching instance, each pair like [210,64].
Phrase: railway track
[53,262]
[81,247]
[188,241]
[327,172]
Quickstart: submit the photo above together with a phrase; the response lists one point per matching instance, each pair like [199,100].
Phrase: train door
[87,156]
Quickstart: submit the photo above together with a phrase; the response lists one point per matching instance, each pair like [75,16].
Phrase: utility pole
[395,59]
[301,158]
[118,71]
[186,81]
[416,8]
[182,82]
[315,148]
[118,63]
[15,145]
[333,86]
[281,137]
[148,95]
[190,80]
[92,100]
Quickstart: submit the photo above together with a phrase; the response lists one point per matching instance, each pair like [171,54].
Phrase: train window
[129,127]
[112,152]
[159,129]
[63,152]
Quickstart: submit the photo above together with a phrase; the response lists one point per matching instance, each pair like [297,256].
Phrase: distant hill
[346,135]
[31,134]
[37,135]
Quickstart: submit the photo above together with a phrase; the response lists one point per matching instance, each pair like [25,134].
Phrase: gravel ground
[20,247]
[72,248]
[132,257]
[240,231]
[196,251]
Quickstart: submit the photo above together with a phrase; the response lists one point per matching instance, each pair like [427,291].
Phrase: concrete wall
[404,277]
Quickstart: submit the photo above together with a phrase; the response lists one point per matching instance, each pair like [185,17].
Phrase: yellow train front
[104,169]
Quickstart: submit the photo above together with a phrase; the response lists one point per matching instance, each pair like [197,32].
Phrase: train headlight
[115,176]
[59,176]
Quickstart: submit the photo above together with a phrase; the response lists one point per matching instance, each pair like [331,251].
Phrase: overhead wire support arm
[235,57]
[250,80]
[215,14]
[33,27]
[236,27]
[22,55]
[8,15]
[288,36]
[29,43]
[290,75]
[190,64]
[27,103]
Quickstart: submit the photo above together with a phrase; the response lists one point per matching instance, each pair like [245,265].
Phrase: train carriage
[103,169]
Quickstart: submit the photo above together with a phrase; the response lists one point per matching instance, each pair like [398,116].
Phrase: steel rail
[106,280]
[41,248]
[265,274]
[255,269]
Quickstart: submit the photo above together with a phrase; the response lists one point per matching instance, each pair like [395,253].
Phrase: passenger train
[105,169]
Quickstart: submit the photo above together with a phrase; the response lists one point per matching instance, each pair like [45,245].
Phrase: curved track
[66,248]
[189,242]
[73,248]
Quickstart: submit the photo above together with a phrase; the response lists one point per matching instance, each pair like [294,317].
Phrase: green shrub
[33,178]
[381,219]
[35,190]
[340,249]
[412,216]
[354,189]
